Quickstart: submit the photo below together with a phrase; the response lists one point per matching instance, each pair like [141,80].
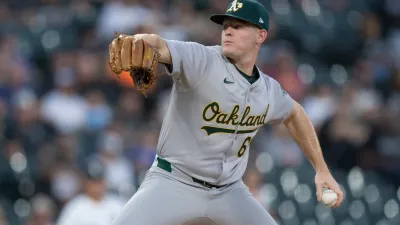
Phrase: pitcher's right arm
[186,62]
[159,43]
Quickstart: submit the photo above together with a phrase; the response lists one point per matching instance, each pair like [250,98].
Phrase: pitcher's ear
[262,36]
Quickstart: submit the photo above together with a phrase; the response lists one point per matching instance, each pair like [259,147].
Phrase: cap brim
[219,18]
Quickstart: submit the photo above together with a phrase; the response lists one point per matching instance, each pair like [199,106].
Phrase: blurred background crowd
[61,108]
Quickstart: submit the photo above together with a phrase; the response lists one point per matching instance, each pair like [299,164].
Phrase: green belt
[165,165]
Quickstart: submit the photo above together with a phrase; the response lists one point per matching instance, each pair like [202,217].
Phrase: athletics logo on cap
[235,6]
[248,10]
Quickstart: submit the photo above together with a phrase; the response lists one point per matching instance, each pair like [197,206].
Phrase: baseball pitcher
[219,100]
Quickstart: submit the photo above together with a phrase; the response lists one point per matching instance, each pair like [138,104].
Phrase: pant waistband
[165,165]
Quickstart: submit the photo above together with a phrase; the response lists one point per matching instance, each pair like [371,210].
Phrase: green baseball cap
[247,10]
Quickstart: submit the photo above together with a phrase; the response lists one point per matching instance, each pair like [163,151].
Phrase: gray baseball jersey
[214,112]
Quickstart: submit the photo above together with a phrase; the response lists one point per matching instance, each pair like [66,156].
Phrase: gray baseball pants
[170,198]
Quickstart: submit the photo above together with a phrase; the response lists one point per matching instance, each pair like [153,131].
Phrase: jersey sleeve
[190,62]
[281,103]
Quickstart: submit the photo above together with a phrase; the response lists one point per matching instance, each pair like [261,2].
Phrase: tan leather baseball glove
[134,55]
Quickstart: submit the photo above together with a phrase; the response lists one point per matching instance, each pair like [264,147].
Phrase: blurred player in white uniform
[94,206]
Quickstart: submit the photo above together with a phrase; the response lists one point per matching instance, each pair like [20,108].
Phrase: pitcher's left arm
[302,130]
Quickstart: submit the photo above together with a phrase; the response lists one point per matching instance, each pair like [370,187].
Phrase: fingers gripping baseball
[325,180]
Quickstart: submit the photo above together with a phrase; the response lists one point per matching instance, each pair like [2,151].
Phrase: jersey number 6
[242,149]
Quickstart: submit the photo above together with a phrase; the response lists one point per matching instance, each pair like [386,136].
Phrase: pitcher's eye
[236,26]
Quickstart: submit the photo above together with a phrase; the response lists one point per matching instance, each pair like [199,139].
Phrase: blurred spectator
[123,16]
[144,152]
[320,105]
[285,72]
[119,172]
[94,205]
[344,135]
[65,183]
[130,109]
[63,107]
[282,147]
[24,124]
[367,100]
[99,113]
[43,210]
[13,67]
[89,71]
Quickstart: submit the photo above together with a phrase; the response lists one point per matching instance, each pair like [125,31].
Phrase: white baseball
[329,198]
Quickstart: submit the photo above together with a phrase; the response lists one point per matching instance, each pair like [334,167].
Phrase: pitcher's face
[238,37]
